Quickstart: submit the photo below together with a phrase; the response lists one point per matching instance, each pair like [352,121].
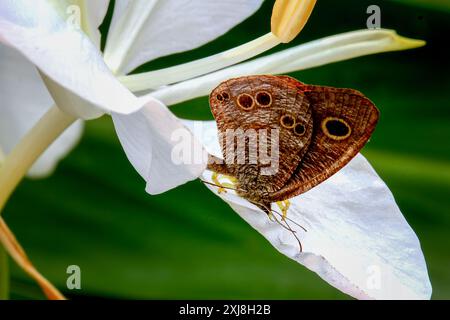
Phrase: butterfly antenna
[222,187]
[279,214]
[294,233]
[287,218]
[287,226]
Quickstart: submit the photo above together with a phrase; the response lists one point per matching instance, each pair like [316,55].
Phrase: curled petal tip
[398,42]
[289,17]
[408,43]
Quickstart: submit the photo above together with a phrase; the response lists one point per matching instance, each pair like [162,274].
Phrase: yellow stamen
[289,17]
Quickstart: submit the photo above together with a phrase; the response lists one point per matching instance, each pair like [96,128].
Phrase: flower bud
[289,17]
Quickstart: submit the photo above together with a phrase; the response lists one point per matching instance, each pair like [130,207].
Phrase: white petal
[77,77]
[94,13]
[152,139]
[91,14]
[24,101]
[327,50]
[357,238]
[143,30]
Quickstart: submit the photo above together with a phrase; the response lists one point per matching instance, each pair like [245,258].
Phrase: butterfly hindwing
[344,120]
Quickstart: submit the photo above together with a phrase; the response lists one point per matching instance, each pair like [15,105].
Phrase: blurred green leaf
[433,4]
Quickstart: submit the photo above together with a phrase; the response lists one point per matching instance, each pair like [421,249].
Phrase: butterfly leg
[284,207]
[220,171]
[222,185]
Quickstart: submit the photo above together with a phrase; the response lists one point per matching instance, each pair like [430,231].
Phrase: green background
[187,243]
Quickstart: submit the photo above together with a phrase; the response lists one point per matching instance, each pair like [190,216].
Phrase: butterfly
[316,130]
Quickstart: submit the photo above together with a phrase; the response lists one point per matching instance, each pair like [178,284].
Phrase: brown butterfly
[319,130]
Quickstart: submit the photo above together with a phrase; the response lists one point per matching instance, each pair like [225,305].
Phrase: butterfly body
[280,137]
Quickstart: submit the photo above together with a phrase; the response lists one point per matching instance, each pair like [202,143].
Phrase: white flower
[357,239]
[82,82]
